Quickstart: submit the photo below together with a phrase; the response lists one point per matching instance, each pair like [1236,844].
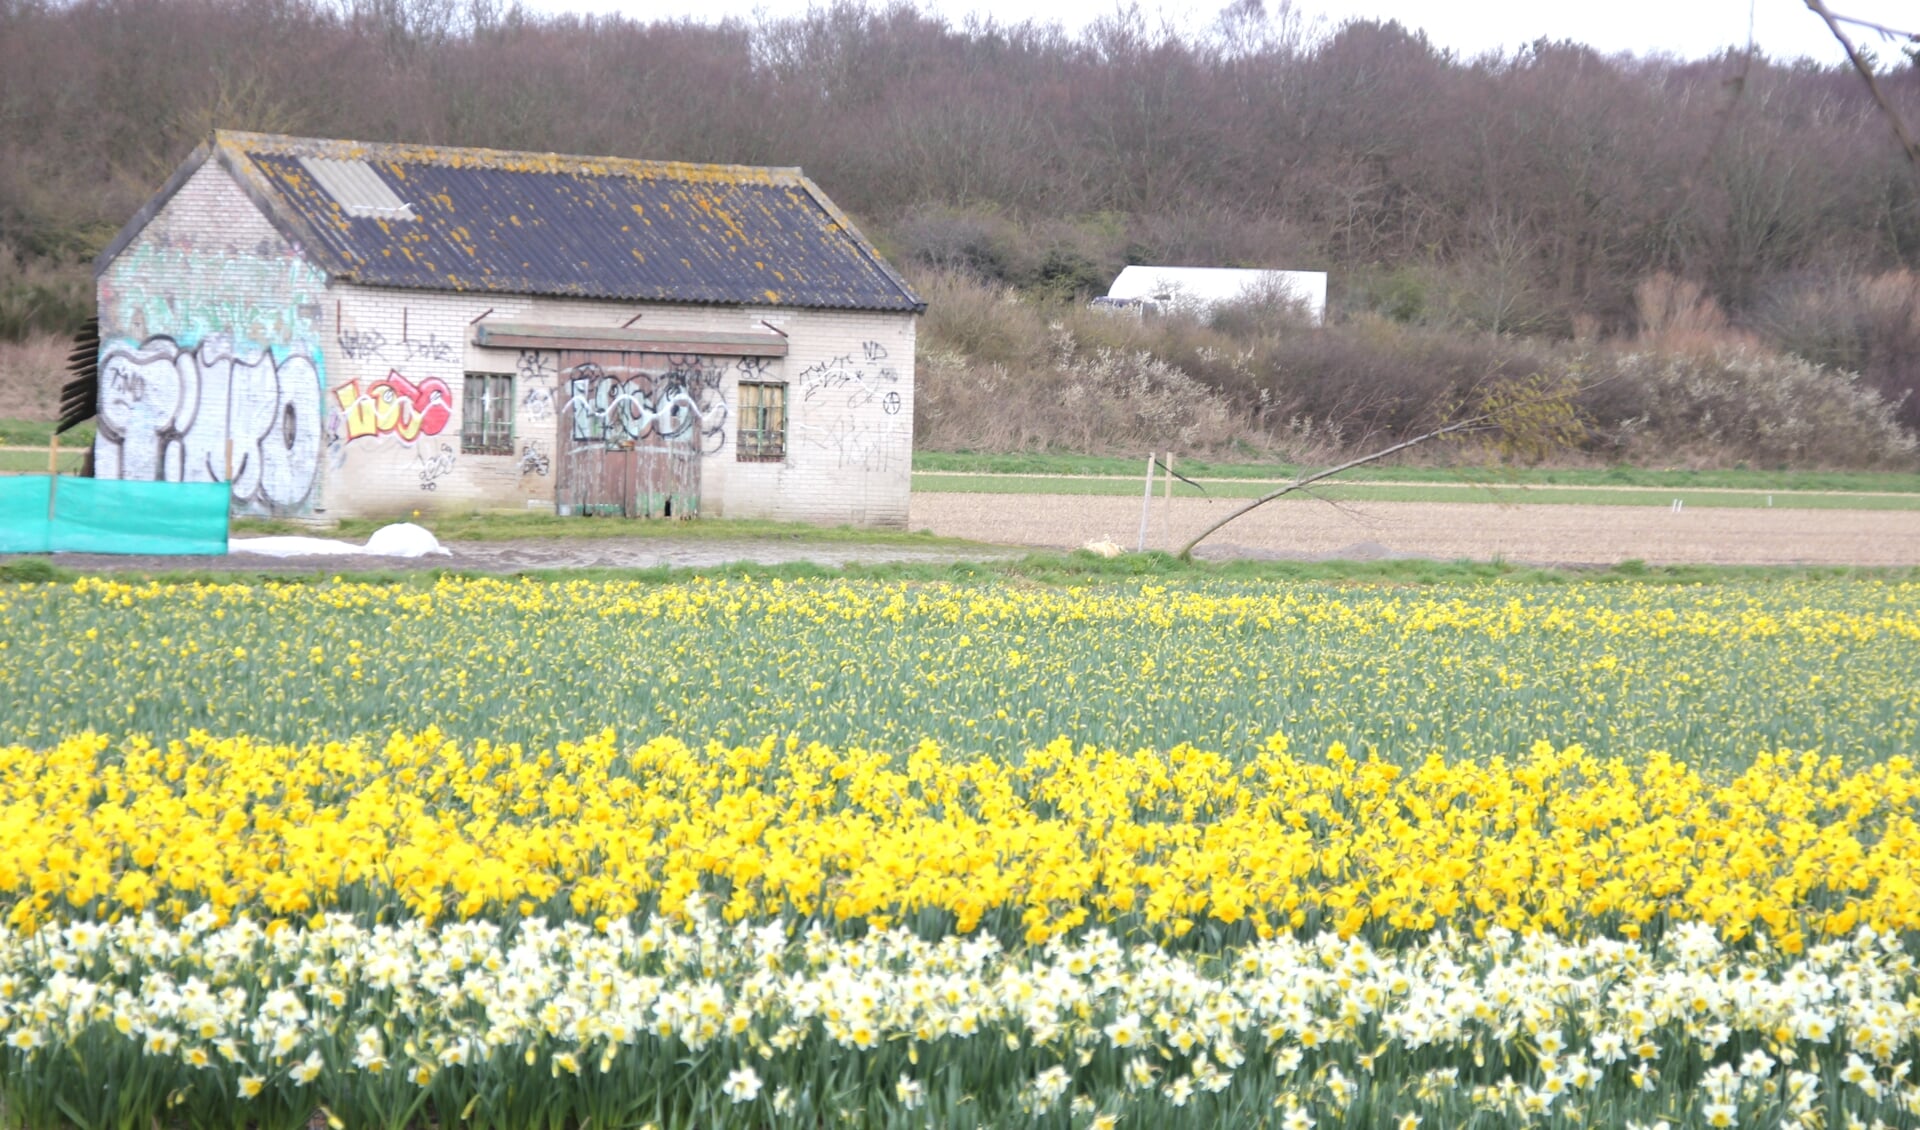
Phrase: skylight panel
[357,188]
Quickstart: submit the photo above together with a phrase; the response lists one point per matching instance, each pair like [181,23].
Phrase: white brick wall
[211,362]
[849,378]
[307,357]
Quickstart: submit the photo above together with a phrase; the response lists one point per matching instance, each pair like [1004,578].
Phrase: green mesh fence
[23,514]
[111,516]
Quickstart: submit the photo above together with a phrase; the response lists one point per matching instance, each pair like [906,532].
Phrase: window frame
[761,443]
[495,433]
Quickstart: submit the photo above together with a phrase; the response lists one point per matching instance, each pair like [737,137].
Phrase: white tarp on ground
[403,539]
[1205,287]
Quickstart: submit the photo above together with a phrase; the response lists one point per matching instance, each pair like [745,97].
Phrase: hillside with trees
[1719,250]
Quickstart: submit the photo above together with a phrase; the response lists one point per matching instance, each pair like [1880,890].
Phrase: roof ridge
[470,156]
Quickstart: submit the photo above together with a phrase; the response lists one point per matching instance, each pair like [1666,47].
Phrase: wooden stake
[229,458]
[53,471]
[1146,504]
[1169,500]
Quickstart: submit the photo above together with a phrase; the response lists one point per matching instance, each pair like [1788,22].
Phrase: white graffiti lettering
[681,404]
[168,413]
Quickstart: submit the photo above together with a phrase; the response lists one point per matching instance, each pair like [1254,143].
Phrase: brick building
[341,329]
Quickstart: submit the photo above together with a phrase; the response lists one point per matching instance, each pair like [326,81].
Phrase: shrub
[1003,371]
[1869,325]
[39,297]
[979,244]
[1745,404]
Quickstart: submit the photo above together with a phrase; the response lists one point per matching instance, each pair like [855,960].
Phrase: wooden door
[633,429]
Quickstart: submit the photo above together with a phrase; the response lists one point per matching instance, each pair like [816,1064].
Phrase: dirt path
[1446,531]
[549,553]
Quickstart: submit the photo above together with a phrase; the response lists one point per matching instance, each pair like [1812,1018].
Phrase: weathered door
[633,428]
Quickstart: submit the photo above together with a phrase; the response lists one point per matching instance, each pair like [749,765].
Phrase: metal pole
[1146,504]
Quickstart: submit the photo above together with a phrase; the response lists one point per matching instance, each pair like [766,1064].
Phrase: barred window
[763,423]
[486,414]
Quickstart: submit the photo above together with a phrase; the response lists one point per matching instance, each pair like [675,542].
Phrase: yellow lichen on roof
[739,227]
[395,154]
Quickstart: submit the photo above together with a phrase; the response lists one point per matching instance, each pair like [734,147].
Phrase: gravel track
[1446,531]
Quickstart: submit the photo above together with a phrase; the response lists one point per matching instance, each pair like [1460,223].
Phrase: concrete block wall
[211,363]
[344,400]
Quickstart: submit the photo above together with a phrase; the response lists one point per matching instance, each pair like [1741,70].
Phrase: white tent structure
[1202,288]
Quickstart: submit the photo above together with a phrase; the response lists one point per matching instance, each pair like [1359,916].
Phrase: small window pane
[763,423]
[486,418]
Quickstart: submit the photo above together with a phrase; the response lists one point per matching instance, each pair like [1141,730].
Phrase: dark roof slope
[539,223]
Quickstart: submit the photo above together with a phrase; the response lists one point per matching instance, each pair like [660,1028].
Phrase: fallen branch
[1186,553]
[1533,417]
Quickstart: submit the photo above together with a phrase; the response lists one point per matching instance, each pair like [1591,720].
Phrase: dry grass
[31,373]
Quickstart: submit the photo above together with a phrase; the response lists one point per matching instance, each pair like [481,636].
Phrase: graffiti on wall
[534,459]
[537,380]
[167,412]
[372,345]
[265,292]
[434,467]
[393,406]
[430,348]
[680,402]
[361,345]
[863,381]
[861,444]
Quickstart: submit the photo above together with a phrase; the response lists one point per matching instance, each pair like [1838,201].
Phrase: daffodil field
[517,854]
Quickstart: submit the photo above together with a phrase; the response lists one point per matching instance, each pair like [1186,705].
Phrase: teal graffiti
[190,293]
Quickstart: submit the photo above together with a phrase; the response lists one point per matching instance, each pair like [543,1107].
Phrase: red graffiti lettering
[395,406]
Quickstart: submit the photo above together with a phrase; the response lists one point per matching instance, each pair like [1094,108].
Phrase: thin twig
[1819,8]
[1347,509]
[1885,31]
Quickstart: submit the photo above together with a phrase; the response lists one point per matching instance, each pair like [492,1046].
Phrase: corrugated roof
[595,227]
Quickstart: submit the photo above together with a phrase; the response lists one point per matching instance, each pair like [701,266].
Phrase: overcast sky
[1687,28]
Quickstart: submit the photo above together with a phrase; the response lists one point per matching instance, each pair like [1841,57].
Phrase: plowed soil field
[1541,534]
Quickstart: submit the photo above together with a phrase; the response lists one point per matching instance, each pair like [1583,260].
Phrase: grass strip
[1496,492]
[1737,478]
[1076,568]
